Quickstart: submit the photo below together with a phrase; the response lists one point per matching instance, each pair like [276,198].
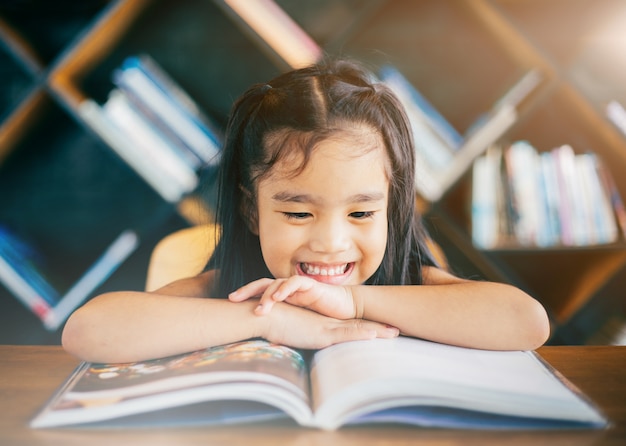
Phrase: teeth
[315,270]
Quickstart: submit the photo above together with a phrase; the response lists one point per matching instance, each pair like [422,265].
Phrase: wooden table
[30,374]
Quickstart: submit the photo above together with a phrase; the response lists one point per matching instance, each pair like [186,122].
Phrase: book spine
[572,192]
[167,100]
[552,199]
[590,221]
[521,166]
[121,248]
[141,134]
[23,290]
[432,147]
[30,272]
[453,139]
[485,218]
[606,226]
[611,191]
[188,154]
[23,259]
[157,178]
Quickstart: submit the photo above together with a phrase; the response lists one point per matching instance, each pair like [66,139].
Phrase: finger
[387,332]
[252,289]
[282,290]
[289,287]
[358,329]
[268,299]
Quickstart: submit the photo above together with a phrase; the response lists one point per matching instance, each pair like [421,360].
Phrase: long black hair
[306,106]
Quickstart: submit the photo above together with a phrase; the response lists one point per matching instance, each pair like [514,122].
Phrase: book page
[250,370]
[364,376]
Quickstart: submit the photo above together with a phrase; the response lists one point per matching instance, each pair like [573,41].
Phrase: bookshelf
[462,56]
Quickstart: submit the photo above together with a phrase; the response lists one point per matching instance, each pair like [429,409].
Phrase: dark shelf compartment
[50,26]
[71,196]
[197,45]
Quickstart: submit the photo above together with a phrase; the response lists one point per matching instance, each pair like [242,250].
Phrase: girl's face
[328,222]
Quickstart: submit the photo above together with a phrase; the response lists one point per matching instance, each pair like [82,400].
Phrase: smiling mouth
[325,270]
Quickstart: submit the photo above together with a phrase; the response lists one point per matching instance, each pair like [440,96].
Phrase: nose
[330,235]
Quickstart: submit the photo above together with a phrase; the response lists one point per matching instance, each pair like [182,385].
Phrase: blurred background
[516,106]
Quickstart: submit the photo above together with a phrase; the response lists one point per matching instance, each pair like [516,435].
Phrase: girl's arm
[133,326]
[444,309]
[450,310]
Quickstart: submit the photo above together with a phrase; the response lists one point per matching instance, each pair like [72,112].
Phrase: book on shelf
[443,154]
[153,173]
[550,198]
[614,197]
[149,140]
[169,106]
[432,150]
[555,198]
[485,207]
[161,130]
[522,162]
[26,276]
[409,94]
[402,380]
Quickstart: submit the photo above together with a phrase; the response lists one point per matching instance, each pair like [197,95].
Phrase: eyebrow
[288,197]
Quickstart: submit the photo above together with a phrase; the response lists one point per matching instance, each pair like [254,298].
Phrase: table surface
[30,374]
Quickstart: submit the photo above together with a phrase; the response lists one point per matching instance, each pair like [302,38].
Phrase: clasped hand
[330,300]
[318,314]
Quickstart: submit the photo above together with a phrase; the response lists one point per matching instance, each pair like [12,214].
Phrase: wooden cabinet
[66,190]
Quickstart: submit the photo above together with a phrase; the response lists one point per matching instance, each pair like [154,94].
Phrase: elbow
[536,326]
[74,337]
[82,337]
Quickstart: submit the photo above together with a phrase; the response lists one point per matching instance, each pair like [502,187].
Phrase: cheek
[276,248]
[375,245]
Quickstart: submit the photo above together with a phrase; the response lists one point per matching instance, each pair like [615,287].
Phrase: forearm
[471,314]
[131,326]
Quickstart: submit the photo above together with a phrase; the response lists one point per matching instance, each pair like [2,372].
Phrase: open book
[400,380]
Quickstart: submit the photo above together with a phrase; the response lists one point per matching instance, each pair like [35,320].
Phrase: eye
[296,215]
[361,215]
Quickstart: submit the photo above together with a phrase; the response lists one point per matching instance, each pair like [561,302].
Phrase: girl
[320,242]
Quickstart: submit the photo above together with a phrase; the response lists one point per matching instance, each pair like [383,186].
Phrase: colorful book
[430,147]
[28,280]
[437,122]
[598,212]
[143,79]
[485,201]
[551,197]
[573,223]
[146,138]
[522,167]
[402,380]
[611,191]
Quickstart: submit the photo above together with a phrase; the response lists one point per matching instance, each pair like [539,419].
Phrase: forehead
[340,170]
[294,151]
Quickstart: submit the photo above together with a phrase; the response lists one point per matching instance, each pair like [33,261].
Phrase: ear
[248,210]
